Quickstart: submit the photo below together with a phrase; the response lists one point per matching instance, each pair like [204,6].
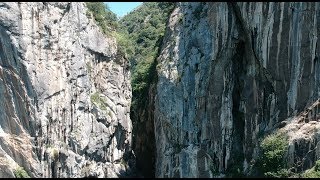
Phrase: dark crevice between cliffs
[245,83]
[146,78]
[143,135]
[143,124]
[238,115]
[139,37]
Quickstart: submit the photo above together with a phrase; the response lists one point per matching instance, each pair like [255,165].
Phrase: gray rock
[227,73]
[59,76]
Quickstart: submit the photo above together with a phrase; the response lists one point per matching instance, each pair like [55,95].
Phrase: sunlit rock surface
[65,94]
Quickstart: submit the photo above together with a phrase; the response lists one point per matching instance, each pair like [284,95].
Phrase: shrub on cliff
[313,172]
[273,148]
[104,17]
[143,28]
[98,101]
[125,46]
[21,173]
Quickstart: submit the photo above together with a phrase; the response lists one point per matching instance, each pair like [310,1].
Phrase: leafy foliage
[55,153]
[99,101]
[271,163]
[102,14]
[21,173]
[313,172]
[274,147]
[317,166]
[123,162]
[139,36]
[144,29]
[282,173]
[125,45]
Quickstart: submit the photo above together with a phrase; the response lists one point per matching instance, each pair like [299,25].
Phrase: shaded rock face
[143,136]
[228,74]
[65,94]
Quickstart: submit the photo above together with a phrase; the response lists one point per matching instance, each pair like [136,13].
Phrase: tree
[104,17]
[145,28]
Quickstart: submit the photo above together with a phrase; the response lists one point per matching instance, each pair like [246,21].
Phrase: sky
[122,8]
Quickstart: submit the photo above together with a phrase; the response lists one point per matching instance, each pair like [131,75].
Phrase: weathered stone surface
[143,135]
[229,72]
[65,93]
[304,135]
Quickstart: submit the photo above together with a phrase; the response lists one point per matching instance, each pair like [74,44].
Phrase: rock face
[304,135]
[65,94]
[229,73]
[144,137]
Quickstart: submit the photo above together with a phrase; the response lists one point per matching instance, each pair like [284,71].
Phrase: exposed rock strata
[229,73]
[65,94]
[304,134]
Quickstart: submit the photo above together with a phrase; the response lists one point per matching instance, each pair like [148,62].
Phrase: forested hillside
[144,28]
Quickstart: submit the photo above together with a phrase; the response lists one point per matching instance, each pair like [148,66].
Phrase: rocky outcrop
[65,94]
[228,74]
[303,132]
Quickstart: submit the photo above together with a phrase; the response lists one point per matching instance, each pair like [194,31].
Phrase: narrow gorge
[172,89]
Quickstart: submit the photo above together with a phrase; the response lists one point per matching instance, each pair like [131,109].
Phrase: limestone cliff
[65,94]
[230,73]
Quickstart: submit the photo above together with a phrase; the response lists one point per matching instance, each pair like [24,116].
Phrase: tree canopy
[105,18]
[144,28]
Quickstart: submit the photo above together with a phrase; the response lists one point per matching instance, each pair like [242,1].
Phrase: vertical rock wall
[64,94]
[228,74]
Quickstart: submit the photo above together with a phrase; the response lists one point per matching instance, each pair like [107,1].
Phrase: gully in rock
[171,89]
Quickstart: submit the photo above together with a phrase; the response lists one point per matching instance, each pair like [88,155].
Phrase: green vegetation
[125,45]
[313,172]
[141,33]
[89,67]
[282,173]
[98,100]
[104,17]
[108,23]
[54,153]
[214,169]
[181,18]
[139,36]
[271,163]
[109,114]
[123,162]
[21,173]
